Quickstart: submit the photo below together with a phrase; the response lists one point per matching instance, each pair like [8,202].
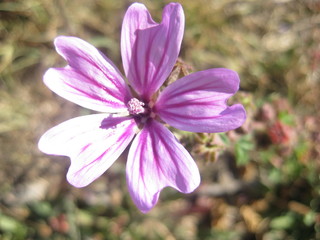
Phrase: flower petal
[157,160]
[92,142]
[197,102]
[150,50]
[91,80]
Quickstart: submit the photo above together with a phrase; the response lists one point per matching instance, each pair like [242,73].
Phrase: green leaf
[224,138]
[286,118]
[242,148]
[310,218]
[12,226]
[283,222]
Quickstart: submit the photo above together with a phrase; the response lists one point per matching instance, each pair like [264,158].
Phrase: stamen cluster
[135,107]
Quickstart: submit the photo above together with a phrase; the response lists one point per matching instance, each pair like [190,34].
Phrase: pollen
[135,106]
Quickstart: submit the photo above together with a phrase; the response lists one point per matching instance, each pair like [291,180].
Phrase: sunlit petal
[90,80]
[92,142]
[150,50]
[157,160]
[198,102]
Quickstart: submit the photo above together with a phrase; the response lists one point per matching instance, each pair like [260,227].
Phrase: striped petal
[149,50]
[157,160]
[92,142]
[198,102]
[90,80]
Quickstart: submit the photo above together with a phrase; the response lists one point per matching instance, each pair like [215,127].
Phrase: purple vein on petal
[118,96]
[164,53]
[83,92]
[91,164]
[76,87]
[92,142]
[135,61]
[149,49]
[191,117]
[141,157]
[75,50]
[93,63]
[155,152]
[90,80]
[146,74]
[190,102]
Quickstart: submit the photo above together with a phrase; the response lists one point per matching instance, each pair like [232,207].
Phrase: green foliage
[283,222]
[242,149]
[11,228]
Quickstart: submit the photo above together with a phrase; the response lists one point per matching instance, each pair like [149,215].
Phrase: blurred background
[258,182]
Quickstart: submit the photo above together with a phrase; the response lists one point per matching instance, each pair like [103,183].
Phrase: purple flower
[195,103]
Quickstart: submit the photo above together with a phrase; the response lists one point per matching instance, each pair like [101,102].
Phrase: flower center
[135,107]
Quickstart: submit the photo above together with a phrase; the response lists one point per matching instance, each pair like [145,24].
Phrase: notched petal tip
[136,7]
[62,41]
[173,8]
[239,113]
